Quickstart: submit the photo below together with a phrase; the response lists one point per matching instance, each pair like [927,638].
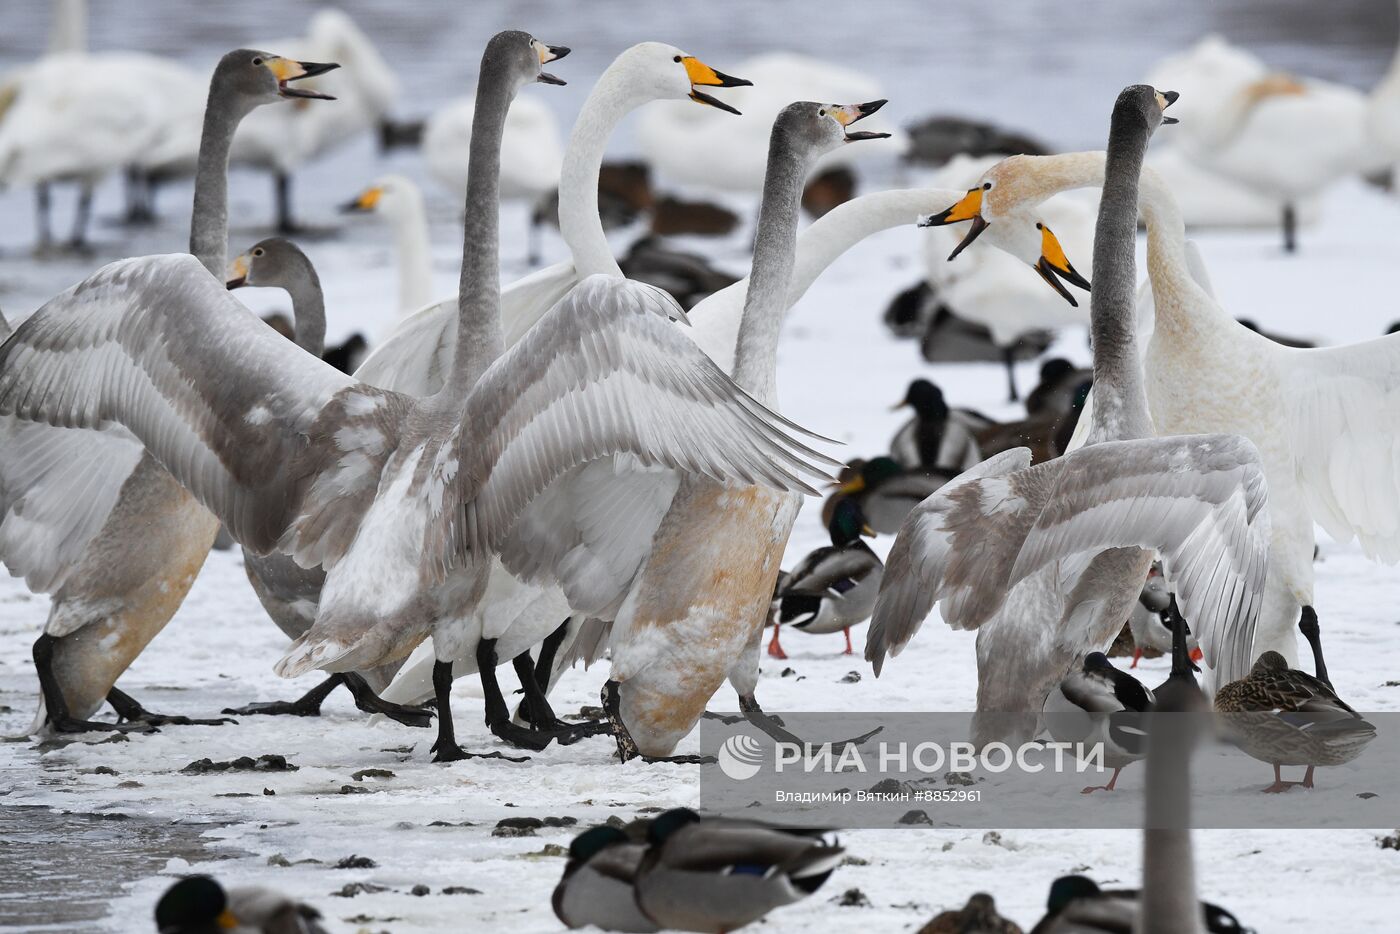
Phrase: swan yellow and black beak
[1165,99]
[363,202]
[547,54]
[969,208]
[237,272]
[1053,262]
[702,75]
[287,69]
[847,114]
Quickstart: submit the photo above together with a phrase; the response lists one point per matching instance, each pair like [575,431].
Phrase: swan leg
[282,190]
[445,749]
[81,215]
[534,237]
[1112,784]
[1290,229]
[56,713]
[43,204]
[543,720]
[138,200]
[1008,356]
[775,649]
[131,711]
[308,705]
[544,669]
[774,727]
[370,702]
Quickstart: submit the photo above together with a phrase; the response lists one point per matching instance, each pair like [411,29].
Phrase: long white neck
[579,222]
[1182,305]
[68,32]
[410,225]
[716,319]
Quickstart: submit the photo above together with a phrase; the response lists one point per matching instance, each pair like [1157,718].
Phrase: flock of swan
[573,467]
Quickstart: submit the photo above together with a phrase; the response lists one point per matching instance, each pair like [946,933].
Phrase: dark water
[58,871]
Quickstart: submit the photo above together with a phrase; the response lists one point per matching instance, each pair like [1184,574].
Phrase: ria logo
[740,757]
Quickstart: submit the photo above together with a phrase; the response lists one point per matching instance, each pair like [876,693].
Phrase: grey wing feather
[604,373]
[157,346]
[1197,499]
[57,488]
[924,565]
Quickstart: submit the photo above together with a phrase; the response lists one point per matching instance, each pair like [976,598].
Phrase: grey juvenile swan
[1092,517]
[402,499]
[89,518]
[289,592]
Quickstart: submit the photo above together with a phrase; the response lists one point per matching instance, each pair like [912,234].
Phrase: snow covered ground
[432,824]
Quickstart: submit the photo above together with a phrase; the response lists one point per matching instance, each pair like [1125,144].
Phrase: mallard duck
[1151,620]
[885,491]
[200,905]
[596,888]
[978,916]
[1058,381]
[1100,704]
[834,587]
[1284,716]
[714,875]
[937,437]
[1078,906]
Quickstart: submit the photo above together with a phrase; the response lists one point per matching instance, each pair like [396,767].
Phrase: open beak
[287,69]
[547,54]
[702,75]
[847,114]
[1053,263]
[237,272]
[967,209]
[1166,99]
[364,201]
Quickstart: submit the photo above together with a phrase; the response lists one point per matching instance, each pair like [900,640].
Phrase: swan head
[393,196]
[664,72]
[522,57]
[252,77]
[1006,195]
[271,263]
[813,129]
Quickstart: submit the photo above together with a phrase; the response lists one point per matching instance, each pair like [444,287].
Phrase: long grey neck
[68,33]
[774,255]
[1120,401]
[308,306]
[479,339]
[209,220]
[1168,903]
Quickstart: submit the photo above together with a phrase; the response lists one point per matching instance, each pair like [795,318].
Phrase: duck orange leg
[1280,785]
[1137,655]
[775,649]
[1109,787]
[849,650]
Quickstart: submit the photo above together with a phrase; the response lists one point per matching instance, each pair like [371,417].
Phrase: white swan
[1322,419]
[986,289]
[418,354]
[703,149]
[532,156]
[1283,138]
[399,201]
[1092,517]
[365,88]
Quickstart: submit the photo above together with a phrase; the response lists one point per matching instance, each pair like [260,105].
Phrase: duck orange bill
[1054,255]
[287,69]
[969,208]
[847,114]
